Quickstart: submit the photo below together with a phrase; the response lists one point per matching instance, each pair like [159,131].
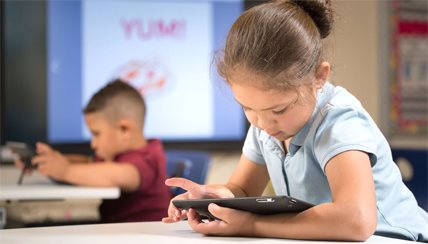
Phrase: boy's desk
[38,198]
[144,232]
[37,187]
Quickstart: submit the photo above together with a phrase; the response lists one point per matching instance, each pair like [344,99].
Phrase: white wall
[353,51]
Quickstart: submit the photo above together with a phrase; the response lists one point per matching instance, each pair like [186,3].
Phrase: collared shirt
[339,123]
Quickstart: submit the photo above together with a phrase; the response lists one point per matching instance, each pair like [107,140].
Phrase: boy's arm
[56,165]
[78,158]
[104,174]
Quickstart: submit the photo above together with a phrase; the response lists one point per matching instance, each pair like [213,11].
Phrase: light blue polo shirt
[339,123]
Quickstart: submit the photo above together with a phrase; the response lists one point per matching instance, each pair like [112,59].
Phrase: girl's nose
[261,123]
[264,123]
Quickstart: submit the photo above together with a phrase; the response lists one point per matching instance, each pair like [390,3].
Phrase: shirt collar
[323,96]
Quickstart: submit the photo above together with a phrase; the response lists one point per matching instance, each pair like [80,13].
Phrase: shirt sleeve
[343,129]
[252,149]
[146,170]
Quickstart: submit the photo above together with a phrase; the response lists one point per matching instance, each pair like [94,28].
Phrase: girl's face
[281,114]
[106,137]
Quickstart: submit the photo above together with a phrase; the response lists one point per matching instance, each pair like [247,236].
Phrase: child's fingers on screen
[186,184]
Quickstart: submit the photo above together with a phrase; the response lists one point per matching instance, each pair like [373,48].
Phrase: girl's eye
[280,111]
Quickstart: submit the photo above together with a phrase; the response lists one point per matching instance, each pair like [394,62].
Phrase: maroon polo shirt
[150,201]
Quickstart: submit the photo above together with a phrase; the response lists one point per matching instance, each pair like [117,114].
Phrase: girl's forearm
[236,190]
[322,222]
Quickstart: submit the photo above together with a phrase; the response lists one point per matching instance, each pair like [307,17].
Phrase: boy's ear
[124,125]
[322,74]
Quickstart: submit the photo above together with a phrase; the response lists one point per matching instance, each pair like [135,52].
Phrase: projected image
[153,39]
[163,48]
[150,78]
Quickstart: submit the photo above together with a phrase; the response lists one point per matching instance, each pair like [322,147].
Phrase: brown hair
[278,40]
[118,100]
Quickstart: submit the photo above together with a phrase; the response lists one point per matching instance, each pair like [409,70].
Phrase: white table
[144,232]
[39,199]
[37,187]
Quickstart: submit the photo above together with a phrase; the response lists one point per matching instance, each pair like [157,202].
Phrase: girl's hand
[194,191]
[233,222]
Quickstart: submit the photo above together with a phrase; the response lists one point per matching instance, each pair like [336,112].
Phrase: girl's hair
[278,40]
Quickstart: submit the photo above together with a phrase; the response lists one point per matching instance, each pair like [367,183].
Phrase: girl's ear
[322,74]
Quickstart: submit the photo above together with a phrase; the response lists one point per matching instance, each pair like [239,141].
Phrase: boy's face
[106,136]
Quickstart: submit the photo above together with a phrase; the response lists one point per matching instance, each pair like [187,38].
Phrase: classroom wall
[353,51]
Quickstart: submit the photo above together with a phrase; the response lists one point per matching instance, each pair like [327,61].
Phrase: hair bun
[321,13]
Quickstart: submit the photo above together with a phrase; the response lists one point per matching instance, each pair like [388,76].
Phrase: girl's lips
[275,134]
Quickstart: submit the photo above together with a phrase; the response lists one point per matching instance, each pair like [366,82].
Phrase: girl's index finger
[186,184]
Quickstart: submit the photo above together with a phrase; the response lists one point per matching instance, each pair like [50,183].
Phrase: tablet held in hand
[258,205]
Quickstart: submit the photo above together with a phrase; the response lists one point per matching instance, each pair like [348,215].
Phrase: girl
[313,140]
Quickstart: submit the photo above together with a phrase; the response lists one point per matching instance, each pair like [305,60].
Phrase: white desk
[38,199]
[37,187]
[144,232]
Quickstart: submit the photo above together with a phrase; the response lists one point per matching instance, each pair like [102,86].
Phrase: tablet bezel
[264,205]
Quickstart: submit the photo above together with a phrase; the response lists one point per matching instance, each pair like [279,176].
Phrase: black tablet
[257,205]
[24,151]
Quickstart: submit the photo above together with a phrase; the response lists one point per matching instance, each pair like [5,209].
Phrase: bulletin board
[409,68]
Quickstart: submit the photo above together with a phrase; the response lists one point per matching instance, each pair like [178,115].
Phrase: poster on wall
[409,68]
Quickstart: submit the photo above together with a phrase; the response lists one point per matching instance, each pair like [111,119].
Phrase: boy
[124,157]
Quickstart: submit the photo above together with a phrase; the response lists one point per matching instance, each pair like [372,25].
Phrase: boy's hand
[194,191]
[50,162]
[20,165]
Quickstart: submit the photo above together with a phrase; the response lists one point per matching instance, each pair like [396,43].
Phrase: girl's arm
[350,216]
[248,179]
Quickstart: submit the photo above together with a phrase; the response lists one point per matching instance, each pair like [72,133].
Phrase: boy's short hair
[118,100]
